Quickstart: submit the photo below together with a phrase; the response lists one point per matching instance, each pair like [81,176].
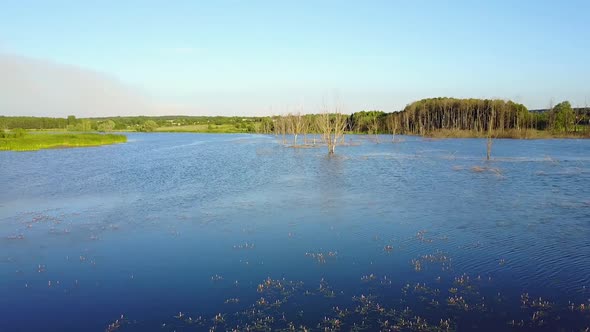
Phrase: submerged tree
[331,126]
[374,126]
[392,126]
[491,120]
[280,127]
[311,127]
[297,124]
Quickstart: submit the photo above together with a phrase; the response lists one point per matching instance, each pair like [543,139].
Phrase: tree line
[478,117]
[123,123]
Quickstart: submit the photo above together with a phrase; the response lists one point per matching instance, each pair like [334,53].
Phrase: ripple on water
[243,209]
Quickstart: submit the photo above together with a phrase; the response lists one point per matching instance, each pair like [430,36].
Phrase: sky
[111,57]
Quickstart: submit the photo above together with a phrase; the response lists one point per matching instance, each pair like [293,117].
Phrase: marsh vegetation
[20,140]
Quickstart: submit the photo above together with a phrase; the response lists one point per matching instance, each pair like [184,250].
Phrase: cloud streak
[35,87]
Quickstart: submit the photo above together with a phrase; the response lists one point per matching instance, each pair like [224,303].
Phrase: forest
[479,117]
[437,117]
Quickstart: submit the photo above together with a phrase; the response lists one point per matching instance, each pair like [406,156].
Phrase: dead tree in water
[392,126]
[280,127]
[309,127]
[304,129]
[374,127]
[297,124]
[331,126]
[491,119]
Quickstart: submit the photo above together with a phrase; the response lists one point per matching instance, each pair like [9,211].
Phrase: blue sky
[262,57]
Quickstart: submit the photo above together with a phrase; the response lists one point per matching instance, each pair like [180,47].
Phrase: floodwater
[185,232]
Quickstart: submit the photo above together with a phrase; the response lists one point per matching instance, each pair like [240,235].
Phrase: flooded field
[185,232]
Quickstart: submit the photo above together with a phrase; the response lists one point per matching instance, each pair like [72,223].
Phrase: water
[380,236]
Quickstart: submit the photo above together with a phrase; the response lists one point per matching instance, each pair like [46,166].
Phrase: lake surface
[184,232]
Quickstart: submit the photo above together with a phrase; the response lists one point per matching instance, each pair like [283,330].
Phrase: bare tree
[275,126]
[374,126]
[304,128]
[280,127]
[289,130]
[392,126]
[331,126]
[312,126]
[491,120]
[297,124]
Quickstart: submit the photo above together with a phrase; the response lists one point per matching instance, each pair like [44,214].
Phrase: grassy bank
[38,141]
